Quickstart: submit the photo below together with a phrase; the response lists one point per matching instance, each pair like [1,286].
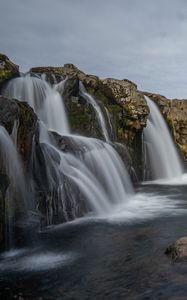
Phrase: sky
[142,40]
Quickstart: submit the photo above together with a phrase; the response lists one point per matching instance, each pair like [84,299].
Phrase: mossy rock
[8,69]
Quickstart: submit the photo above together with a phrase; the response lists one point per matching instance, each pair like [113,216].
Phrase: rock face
[178,250]
[19,115]
[175,113]
[7,69]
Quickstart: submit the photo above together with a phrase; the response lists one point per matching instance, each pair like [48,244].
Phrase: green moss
[183,149]
[5,75]
[8,69]
[100,96]
[114,109]
[79,117]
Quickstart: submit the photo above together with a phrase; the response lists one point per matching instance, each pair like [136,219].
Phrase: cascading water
[46,101]
[97,109]
[18,194]
[96,171]
[162,156]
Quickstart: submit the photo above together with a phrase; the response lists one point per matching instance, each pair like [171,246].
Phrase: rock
[14,113]
[8,69]
[178,250]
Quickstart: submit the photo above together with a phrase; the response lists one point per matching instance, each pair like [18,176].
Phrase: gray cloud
[144,41]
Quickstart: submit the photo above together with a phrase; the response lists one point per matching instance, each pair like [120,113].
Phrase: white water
[97,110]
[33,260]
[163,158]
[12,163]
[45,100]
[17,195]
[96,173]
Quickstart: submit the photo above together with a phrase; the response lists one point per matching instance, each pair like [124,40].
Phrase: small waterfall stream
[97,110]
[161,153]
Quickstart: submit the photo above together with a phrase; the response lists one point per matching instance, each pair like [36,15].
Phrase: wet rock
[9,113]
[21,117]
[8,69]
[178,250]
[4,183]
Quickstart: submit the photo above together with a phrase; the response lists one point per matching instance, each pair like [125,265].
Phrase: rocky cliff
[120,100]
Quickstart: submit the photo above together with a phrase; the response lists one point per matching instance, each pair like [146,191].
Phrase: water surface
[116,257]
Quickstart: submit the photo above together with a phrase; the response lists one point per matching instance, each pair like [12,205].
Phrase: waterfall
[107,167]
[45,100]
[18,194]
[97,110]
[162,156]
[94,175]
[112,134]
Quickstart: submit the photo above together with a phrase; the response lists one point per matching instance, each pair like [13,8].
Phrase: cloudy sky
[142,40]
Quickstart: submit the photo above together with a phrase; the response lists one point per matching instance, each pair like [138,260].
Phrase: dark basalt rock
[9,113]
[4,183]
[13,111]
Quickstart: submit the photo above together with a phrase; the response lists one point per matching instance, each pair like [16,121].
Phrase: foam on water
[33,260]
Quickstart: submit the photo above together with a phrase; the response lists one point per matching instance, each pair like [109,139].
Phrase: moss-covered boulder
[8,69]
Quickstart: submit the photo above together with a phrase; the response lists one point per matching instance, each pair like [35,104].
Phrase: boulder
[178,250]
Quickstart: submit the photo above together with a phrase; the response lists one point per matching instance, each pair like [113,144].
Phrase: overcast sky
[142,40]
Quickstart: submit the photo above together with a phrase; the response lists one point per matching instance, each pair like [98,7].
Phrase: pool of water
[120,256]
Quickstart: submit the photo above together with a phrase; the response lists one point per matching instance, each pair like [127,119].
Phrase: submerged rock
[178,250]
